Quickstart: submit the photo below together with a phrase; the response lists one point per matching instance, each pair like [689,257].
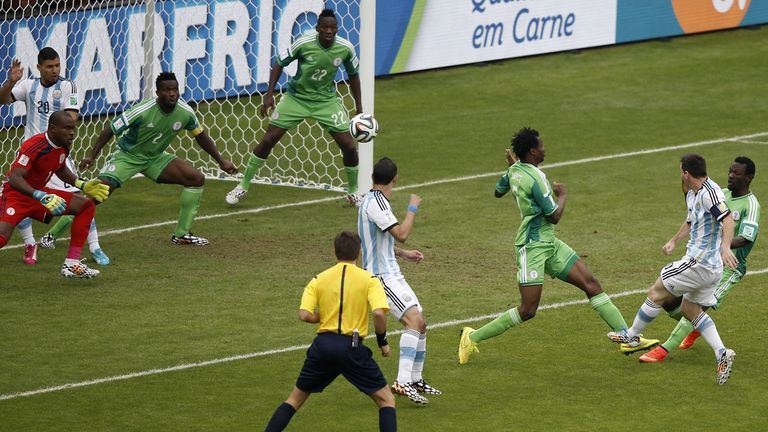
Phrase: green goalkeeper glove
[93,188]
[54,203]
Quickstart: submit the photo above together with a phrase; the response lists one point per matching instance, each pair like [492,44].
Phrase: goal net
[221,52]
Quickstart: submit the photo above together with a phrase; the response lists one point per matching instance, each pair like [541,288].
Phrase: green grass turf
[158,305]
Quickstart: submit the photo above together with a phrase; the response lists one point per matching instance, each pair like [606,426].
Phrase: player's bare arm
[206,143]
[729,259]
[268,103]
[18,181]
[561,192]
[354,85]
[66,175]
[409,255]
[15,73]
[684,230]
[402,231]
[103,138]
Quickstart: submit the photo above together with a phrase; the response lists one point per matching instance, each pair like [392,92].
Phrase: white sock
[418,361]
[93,237]
[647,313]
[409,340]
[708,330]
[25,229]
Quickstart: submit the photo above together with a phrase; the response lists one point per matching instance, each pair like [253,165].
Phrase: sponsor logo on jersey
[23,160]
[57,94]
[177,126]
[73,100]
[11,211]
[736,215]
[534,274]
[706,15]
[337,61]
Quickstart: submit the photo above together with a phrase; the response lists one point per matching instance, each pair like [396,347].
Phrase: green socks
[190,203]
[502,323]
[254,165]
[352,178]
[681,330]
[61,225]
[604,307]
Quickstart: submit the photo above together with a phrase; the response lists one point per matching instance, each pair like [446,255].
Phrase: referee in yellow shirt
[338,299]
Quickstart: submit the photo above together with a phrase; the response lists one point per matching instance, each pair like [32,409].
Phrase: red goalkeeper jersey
[41,157]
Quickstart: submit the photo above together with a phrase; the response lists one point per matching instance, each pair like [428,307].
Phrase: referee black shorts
[331,354]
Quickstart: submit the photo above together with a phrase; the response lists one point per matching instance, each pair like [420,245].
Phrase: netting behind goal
[221,52]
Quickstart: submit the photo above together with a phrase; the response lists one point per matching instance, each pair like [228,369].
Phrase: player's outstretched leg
[418,367]
[256,160]
[190,203]
[48,241]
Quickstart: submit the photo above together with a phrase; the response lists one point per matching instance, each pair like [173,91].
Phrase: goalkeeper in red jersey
[24,194]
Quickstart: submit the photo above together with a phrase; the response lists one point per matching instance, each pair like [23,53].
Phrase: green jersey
[535,200]
[314,79]
[746,215]
[145,131]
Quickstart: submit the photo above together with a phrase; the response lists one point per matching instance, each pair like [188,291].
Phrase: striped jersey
[317,68]
[374,220]
[746,215]
[534,199]
[145,131]
[706,208]
[41,101]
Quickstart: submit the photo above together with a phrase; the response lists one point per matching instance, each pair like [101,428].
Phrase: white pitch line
[419,185]
[291,348]
[744,141]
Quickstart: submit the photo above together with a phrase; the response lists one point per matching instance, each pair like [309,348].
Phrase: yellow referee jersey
[342,294]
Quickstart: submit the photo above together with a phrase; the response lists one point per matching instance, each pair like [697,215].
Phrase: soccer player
[338,299]
[43,96]
[539,252]
[311,94]
[746,215]
[24,194]
[144,132]
[688,285]
[379,228]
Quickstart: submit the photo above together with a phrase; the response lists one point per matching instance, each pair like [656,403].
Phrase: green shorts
[730,278]
[537,258]
[121,166]
[290,111]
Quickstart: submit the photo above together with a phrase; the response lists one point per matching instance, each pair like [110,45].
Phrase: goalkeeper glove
[54,203]
[93,188]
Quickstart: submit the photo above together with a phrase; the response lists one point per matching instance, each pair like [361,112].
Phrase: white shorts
[688,279]
[400,296]
[56,183]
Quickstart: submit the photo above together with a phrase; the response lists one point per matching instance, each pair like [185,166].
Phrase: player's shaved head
[60,118]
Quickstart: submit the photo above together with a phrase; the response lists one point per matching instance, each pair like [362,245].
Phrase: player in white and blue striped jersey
[378,228]
[686,286]
[43,96]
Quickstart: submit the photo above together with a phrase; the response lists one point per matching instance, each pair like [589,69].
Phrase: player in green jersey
[539,252]
[746,213]
[311,93]
[143,133]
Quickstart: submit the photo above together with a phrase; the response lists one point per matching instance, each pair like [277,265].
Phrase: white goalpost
[220,50]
